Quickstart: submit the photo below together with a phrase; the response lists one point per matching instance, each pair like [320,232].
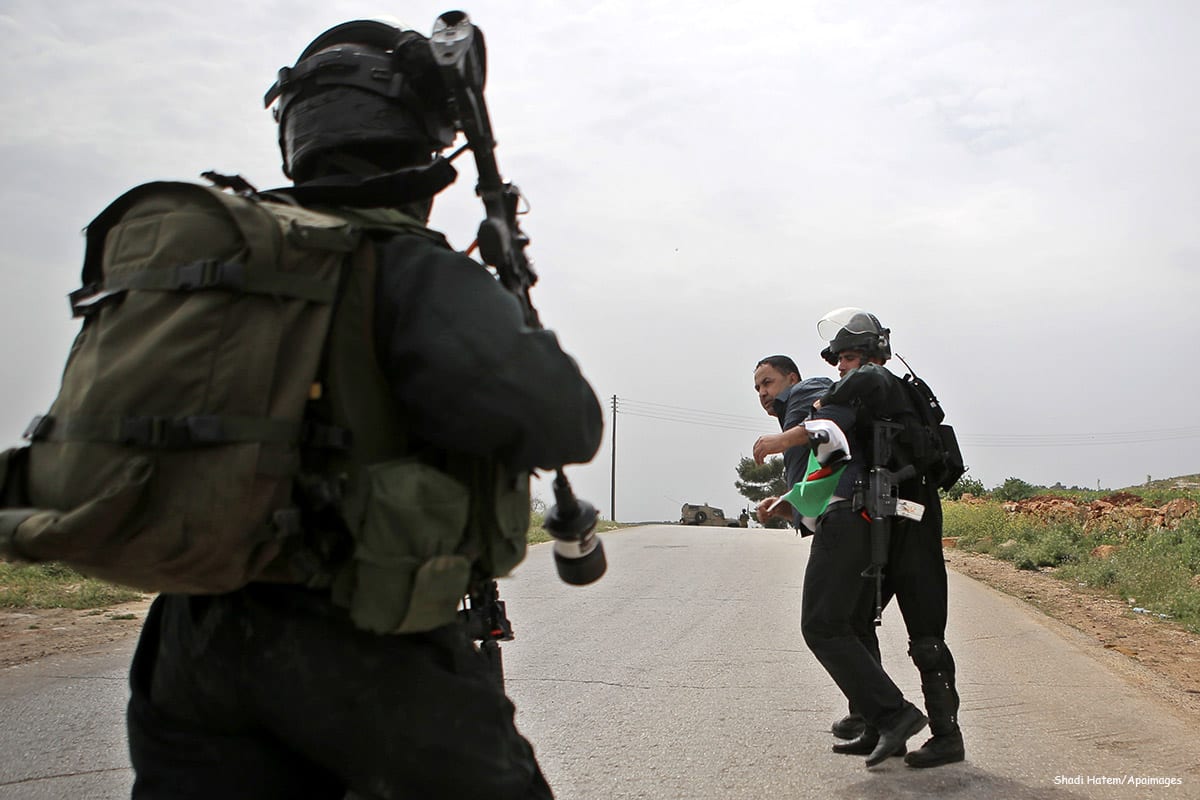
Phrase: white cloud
[1009,186]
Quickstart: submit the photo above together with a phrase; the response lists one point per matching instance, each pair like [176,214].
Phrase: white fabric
[837,440]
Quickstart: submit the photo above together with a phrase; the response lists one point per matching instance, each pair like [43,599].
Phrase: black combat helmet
[853,329]
[365,89]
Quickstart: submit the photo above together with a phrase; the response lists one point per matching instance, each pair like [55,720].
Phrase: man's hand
[783,511]
[772,443]
[767,445]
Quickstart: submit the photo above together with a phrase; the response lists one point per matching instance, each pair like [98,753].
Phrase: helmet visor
[848,319]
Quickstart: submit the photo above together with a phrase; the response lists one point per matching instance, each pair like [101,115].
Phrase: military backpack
[172,458]
[932,444]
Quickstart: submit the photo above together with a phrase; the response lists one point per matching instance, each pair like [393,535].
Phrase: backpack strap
[380,221]
[163,432]
[228,275]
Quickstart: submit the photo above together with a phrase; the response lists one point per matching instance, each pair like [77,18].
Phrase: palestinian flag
[812,494]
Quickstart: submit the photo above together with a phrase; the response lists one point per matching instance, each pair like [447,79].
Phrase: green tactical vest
[179,453]
[461,518]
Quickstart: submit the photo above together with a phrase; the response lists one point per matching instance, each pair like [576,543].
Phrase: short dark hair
[782,363]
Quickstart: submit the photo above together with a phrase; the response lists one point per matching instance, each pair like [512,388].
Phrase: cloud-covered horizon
[1011,188]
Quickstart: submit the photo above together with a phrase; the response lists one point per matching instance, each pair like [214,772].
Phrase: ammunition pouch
[408,521]
[421,535]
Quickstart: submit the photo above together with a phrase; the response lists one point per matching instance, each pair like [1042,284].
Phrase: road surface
[681,674]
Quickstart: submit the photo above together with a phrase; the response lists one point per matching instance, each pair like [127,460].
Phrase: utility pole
[612,499]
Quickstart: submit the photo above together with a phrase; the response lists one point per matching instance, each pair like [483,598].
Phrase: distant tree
[1014,489]
[759,481]
[965,485]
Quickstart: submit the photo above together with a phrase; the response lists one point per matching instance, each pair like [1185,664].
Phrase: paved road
[681,674]
[61,727]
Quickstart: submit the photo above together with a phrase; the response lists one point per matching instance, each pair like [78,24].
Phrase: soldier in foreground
[314,442]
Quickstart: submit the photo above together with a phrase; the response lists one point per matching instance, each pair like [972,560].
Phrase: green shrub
[1014,489]
[965,485]
[1155,567]
[536,532]
[988,528]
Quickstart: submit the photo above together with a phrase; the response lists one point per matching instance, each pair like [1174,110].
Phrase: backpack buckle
[210,274]
[153,432]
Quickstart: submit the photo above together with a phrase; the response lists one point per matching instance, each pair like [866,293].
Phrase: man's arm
[472,376]
[773,443]
[799,403]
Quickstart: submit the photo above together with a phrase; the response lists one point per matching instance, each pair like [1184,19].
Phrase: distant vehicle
[692,514]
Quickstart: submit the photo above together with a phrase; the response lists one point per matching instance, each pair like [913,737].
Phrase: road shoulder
[1162,648]
[32,634]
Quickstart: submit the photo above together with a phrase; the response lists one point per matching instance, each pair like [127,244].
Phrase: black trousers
[270,692]
[836,615]
[916,575]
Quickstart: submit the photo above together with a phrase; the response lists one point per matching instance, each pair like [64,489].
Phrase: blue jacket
[792,407]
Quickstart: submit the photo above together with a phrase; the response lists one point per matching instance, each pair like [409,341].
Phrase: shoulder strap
[387,220]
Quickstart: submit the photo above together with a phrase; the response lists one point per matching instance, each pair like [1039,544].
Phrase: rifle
[460,56]
[883,503]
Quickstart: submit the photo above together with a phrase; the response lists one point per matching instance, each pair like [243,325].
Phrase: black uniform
[839,604]
[271,691]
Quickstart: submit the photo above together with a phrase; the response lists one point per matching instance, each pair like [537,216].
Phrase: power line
[689,416]
[667,408]
[1115,437]
[666,412]
[690,421]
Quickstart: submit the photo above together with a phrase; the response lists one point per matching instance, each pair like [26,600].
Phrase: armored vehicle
[692,514]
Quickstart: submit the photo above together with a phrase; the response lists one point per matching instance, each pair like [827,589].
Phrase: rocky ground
[1169,652]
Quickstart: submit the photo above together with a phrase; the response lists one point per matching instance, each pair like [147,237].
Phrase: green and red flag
[812,494]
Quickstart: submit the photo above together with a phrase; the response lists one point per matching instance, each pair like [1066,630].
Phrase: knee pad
[931,655]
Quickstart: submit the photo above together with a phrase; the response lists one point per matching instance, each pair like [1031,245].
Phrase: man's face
[848,360]
[769,382]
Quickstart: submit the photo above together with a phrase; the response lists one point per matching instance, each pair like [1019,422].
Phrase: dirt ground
[30,634]
[1169,652]
[1165,649]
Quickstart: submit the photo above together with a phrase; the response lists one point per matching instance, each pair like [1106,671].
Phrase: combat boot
[941,703]
[938,750]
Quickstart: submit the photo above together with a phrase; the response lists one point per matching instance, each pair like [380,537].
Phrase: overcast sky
[1013,188]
